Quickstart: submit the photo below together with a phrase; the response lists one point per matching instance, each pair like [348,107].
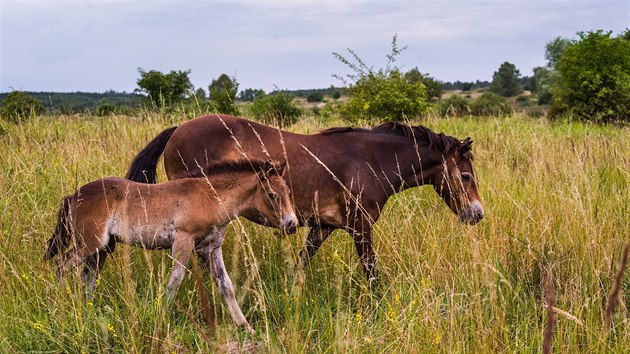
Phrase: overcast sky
[95,46]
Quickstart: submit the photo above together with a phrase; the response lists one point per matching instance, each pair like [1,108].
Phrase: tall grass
[557,200]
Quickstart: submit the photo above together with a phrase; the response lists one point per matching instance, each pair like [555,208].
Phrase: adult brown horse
[186,215]
[339,178]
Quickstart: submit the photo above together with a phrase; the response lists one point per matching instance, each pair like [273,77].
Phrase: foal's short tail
[61,236]
[144,165]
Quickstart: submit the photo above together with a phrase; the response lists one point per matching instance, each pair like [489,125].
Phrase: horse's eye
[272,196]
[466,177]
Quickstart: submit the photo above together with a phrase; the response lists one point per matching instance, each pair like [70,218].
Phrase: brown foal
[186,215]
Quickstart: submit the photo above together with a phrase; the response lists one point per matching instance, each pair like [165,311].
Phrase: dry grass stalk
[551,320]
[613,299]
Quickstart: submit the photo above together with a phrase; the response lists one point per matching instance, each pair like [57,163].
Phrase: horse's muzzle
[472,214]
[289,224]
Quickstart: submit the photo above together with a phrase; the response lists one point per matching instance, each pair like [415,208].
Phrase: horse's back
[208,140]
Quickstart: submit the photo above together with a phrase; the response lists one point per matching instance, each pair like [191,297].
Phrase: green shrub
[18,106]
[384,97]
[105,108]
[594,82]
[276,108]
[491,104]
[315,97]
[454,106]
[522,100]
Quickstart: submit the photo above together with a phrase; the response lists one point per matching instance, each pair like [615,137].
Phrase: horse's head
[457,185]
[273,199]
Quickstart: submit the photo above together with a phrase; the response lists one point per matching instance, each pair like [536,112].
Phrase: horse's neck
[420,165]
[231,194]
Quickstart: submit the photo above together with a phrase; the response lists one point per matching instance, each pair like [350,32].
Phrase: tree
[554,50]
[542,82]
[222,93]
[18,106]
[433,87]
[248,95]
[164,90]
[383,94]
[594,78]
[276,108]
[505,81]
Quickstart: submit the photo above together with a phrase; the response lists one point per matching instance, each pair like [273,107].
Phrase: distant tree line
[79,102]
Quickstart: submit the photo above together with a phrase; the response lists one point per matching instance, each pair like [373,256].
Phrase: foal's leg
[225,285]
[181,250]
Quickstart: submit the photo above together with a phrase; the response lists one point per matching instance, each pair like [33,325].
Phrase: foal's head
[457,185]
[272,198]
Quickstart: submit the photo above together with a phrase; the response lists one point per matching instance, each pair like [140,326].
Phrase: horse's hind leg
[181,250]
[69,260]
[225,285]
[92,268]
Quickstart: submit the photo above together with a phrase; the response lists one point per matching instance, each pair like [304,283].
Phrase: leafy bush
[276,108]
[385,94]
[315,97]
[594,82]
[105,108]
[18,106]
[490,104]
[384,97]
[522,100]
[454,106]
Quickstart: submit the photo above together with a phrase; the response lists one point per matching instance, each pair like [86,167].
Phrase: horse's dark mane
[421,133]
[334,130]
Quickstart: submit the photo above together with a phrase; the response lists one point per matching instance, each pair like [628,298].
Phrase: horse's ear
[467,144]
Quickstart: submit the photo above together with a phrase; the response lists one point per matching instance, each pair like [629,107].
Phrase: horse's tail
[61,236]
[144,165]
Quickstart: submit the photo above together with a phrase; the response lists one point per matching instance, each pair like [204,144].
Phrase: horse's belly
[148,236]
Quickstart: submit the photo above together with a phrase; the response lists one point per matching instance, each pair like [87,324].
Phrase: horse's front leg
[316,236]
[365,250]
[181,251]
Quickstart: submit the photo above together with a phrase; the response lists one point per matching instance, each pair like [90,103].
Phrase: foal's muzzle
[472,214]
[289,224]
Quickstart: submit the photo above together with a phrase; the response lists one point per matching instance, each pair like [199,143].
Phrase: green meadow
[557,206]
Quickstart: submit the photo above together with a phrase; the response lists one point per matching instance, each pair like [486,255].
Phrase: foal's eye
[466,177]
[272,196]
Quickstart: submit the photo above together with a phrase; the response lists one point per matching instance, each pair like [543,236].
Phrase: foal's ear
[281,167]
[268,169]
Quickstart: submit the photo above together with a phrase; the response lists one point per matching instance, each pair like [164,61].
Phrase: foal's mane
[241,165]
[421,133]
